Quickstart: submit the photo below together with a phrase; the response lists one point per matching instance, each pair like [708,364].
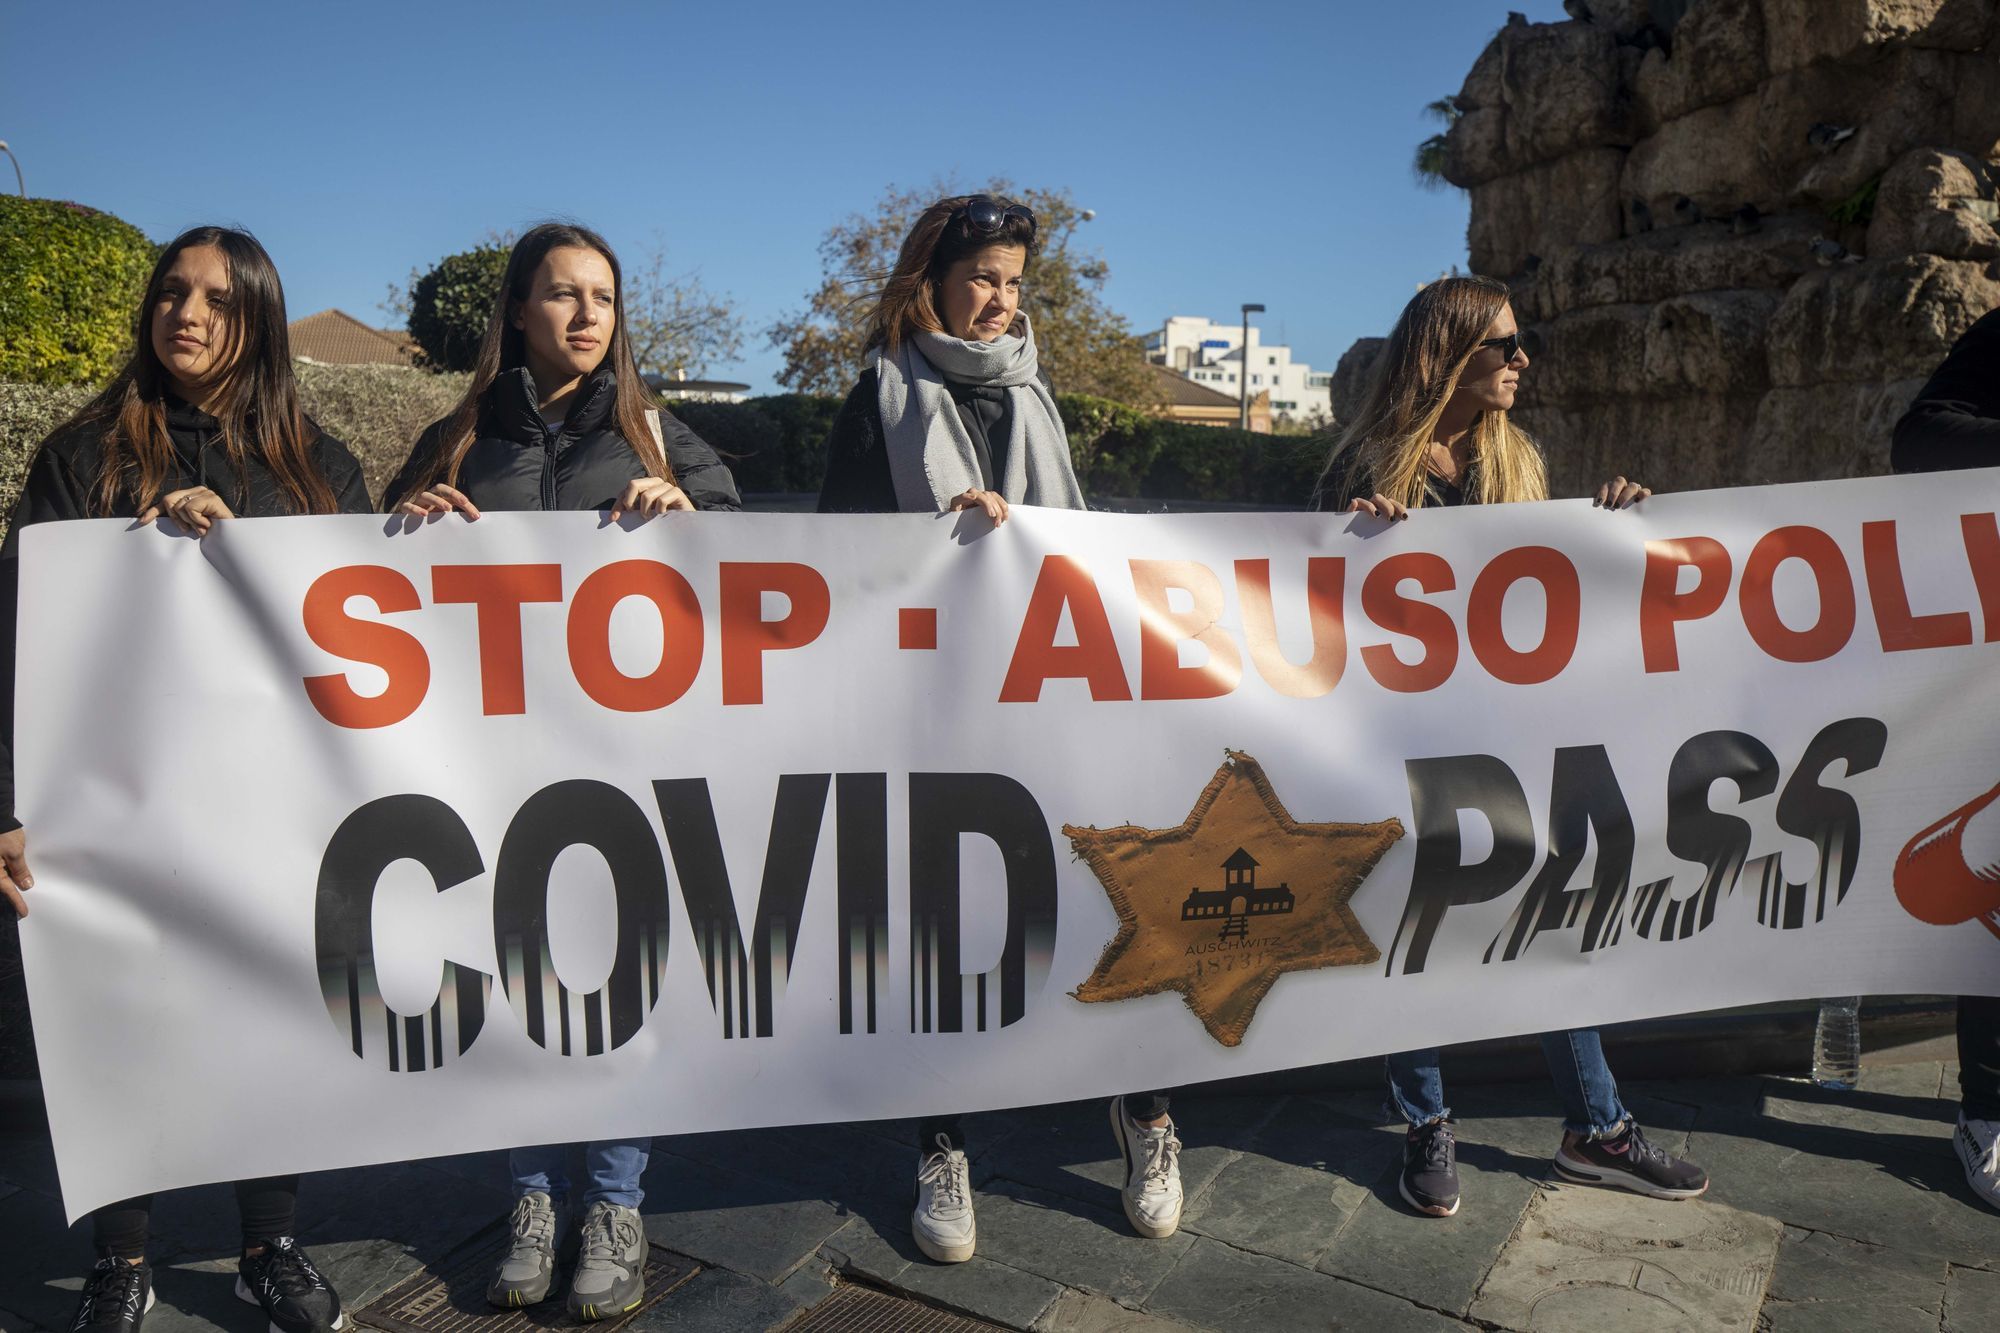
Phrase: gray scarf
[931,458]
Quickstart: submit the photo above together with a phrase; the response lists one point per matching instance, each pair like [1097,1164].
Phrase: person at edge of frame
[556,417]
[1954,422]
[1434,431]
[954,413]
[201,425]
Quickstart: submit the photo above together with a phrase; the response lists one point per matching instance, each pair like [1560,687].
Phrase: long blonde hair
[1436,335]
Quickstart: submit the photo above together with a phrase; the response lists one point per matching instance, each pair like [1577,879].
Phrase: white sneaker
[942,1222]
[1978,1144]
[1152,1191]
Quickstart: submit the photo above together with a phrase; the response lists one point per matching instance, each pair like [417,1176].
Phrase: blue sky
[1232,152]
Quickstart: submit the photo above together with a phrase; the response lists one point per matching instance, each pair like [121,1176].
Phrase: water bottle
[1836,1059]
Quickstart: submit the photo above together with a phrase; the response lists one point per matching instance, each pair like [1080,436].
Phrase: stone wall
[1651,182]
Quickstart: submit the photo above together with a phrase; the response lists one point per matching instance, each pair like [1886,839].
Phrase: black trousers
[1979,1056]
[269,1208]
[1138,1105]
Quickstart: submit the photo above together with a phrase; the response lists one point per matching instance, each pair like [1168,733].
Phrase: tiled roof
[1184,392]
[336,338]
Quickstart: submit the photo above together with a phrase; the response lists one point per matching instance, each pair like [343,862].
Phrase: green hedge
[773,444]
[451,304]
[70,278]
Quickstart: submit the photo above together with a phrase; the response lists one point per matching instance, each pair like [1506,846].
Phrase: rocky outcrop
[1745,230]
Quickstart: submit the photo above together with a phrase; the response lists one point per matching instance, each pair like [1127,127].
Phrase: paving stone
[28,1160]
[716,1300]
[983,1288]
[1069,1149]
[1434,1261]
[838,1163]
[740,1222]
[444,1210]
[1869,1187]
[1080,1312]
[859,1249]
[809,1286]
[1298,1180]
[1072,1243]
[46,1260]
[1217,1287]
[1823,1280]
[1591,1258]
[1971,1302]
[1890,1099]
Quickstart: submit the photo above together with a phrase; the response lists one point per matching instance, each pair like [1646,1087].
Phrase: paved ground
[1828,1211]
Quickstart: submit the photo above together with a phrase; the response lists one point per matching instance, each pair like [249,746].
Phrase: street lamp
[1243,368]
[19,184]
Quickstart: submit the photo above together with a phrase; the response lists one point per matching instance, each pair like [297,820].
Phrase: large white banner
[356,842]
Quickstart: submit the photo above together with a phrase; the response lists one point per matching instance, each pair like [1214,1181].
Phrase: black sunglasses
[989,217]
[1515,343]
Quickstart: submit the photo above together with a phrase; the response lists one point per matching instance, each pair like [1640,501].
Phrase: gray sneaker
[610,1277]
[529,1265]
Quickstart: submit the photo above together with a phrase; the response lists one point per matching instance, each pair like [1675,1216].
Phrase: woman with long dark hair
[1434,431]
[952,413]
[556,417]
[201,425]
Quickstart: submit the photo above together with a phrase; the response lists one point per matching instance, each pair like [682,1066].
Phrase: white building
[1211,355]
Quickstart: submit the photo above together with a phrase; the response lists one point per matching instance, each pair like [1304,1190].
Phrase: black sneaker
[116,1297]
[282,1279]
[1429,1182]
[1626,1160]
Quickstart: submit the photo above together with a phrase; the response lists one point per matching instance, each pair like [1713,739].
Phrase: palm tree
[1428,164]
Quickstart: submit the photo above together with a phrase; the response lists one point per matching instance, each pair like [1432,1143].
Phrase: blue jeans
[613,1165]
[1576,1062]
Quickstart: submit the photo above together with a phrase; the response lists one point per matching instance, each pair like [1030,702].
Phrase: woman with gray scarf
[953,412]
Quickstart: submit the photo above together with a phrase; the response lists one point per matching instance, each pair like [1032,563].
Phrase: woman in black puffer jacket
[202,425]
[557,416]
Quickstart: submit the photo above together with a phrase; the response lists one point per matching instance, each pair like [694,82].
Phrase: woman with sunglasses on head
[556,417]
[202,424]
[1434,431]
[954,413]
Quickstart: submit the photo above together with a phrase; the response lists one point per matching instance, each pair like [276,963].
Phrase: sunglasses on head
[989,217]
[1514,343]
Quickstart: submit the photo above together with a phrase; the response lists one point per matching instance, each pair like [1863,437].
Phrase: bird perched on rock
[1830,252]
[1642,216]
[1516,19]
[1577,10]
[1686,211]
[1745,220]
[1827,136]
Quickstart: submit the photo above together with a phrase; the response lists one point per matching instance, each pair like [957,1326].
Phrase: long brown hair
[1437,334]
[504,348]
[259,402]
[939,239]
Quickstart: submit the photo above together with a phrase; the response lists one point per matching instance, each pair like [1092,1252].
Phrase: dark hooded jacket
[63,476]
[1955,420]
[517,461]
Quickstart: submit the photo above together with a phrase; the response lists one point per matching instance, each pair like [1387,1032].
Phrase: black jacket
[1955,420]
[517,462]
[62,476]
[857,477]
[1347,481]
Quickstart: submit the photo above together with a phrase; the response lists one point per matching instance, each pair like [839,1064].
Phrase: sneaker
[116,1297]
[528,1269]
[942,1222]
[1978,1144]
[295,1297]
[1626,1160]
[1429,1180]
[1152,1189]
[610,1275]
